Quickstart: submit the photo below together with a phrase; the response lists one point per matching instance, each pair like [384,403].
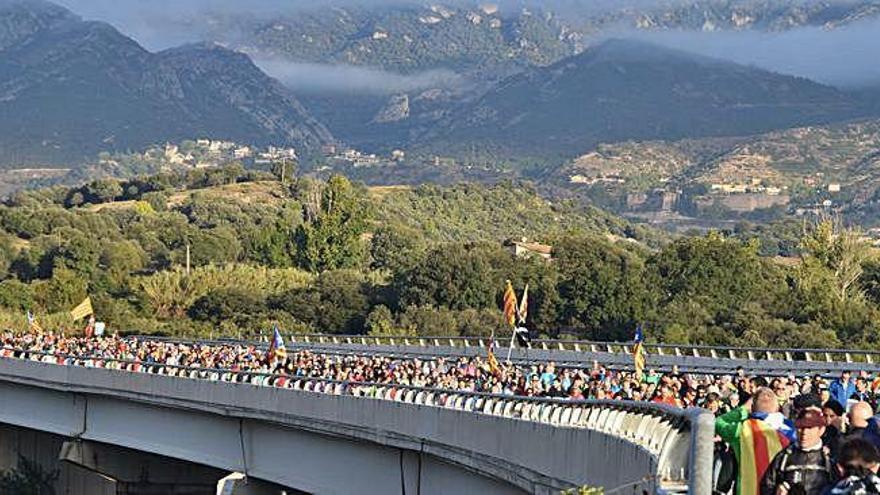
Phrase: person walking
[804,467]
[858,464]
[756,432]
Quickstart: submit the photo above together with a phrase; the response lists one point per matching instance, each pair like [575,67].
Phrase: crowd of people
[784,435]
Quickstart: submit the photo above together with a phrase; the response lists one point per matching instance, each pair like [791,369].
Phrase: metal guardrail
[613,356]
[713,352]
[680,440]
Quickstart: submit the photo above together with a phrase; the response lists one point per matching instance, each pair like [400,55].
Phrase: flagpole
[510,349]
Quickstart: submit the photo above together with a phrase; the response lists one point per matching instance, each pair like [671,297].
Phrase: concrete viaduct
[126,429]
[313,436]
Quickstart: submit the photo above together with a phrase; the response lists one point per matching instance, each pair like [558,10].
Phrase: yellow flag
[84,309]
[491,360]
[509,305]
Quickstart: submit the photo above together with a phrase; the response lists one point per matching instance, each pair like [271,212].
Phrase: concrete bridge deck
[321,436]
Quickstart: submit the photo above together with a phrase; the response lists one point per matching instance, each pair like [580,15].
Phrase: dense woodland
[333,256]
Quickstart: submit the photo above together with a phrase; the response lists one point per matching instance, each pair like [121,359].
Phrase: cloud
[845,56]
[326,78]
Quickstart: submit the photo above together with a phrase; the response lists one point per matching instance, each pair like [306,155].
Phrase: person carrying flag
[639,354]
[756,432]
[520,331]
[276,350]
[33,326]
[491,360]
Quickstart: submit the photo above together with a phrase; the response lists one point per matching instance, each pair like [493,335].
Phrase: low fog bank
[326,78]
[844,57]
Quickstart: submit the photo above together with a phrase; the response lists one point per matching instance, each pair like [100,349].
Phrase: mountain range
[624,89]
[70,88]
[472,36]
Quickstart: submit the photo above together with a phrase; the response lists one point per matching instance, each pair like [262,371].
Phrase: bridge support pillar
[137,473]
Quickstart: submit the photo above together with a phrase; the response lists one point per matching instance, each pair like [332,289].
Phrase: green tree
[77,251]
[62,292]
[28,478]
[481,322]
[119,260]
[723,273]
[454,276]
[704,282]
[227,305]
[16,295]
[429,321]
[870,280]
[272,245]
[396,248]
[380,321]
[601,288]
[102,191]
[840,251]
[335,219]
[335,303]
[7,254]
[217,245]
[827,283]
[284,171]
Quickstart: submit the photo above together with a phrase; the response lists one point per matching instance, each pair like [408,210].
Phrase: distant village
[206,153]
[741,196]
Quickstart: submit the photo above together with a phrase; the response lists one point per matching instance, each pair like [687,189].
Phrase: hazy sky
[848,56]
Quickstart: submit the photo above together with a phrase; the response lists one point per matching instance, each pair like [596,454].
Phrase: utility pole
[187,258]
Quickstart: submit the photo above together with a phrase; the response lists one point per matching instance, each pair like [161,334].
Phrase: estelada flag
[509,305]
[83,309]
[276,347]
[524,306]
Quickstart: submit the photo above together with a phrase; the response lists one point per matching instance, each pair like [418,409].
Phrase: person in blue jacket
[842,388]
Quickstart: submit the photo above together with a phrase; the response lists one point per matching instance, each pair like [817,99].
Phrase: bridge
[260,433]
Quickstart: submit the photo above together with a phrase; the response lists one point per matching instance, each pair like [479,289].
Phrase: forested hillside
[332,256]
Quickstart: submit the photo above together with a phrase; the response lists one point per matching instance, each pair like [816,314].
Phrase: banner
[83,309]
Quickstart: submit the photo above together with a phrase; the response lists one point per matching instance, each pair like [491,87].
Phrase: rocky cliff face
[395,110]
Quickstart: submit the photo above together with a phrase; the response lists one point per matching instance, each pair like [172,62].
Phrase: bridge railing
[714,352]
[680,440]
[584,360]
[758,354]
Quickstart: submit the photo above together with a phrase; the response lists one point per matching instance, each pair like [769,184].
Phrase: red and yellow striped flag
[510,305]
[492,361]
